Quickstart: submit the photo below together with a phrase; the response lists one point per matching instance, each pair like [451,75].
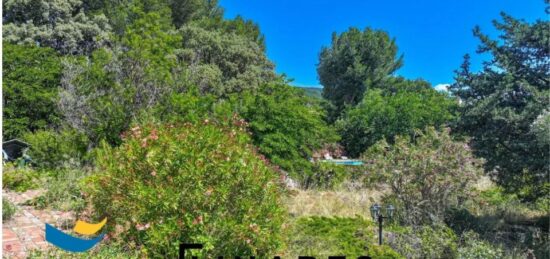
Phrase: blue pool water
[348,162]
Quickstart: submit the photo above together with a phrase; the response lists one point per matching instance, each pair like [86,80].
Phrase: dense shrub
[19,179]
[427,175]
[62,192]
[322,237]
[29,86]
[50,149]
[286,125]
[430,241]
[194,183]
[474,248]
[384,115]
[323,176]
[8,209]
[501,220]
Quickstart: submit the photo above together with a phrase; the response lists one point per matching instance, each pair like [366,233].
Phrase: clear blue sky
[432,34]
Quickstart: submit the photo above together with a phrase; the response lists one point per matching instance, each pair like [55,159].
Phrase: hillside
[313,91]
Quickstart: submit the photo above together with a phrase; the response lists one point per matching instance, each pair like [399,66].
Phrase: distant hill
[313,91]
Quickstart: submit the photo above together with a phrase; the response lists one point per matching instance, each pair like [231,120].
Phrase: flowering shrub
[427,175]
[193,183]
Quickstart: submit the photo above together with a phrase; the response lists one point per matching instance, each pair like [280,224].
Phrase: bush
[286,125]
[427,175]
[8,209]
[29,86]
[474,248]
[50,149]
[430,241]
[193,183]
[322,237]
[62,192]
[19,179]
[383,252]
[323,176]
[384,115]
[110,250]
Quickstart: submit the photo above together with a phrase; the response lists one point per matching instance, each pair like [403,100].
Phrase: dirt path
[24,232]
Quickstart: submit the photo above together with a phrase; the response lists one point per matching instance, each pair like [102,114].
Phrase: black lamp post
[377,215]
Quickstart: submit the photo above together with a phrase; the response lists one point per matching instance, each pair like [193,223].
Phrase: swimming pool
[345,162]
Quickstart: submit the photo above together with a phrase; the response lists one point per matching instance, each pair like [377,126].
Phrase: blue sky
[432,34]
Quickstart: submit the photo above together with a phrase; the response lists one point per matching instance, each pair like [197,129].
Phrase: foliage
[502,220]
[355,62]
[323,176]
[237,25]
[427,175]
[59,24]
[62,192]
[175,12]
[286,125]
[231,202]
[102,95]
[221,63]
[384,115]
[105,250]
[321,237]
[541,128]
[189,106]
[8,209]
[50,149]
[474,248]
[430,241]
[501,102]
[29,84]
[19,179]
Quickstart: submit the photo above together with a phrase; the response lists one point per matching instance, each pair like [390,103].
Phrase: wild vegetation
[170,120]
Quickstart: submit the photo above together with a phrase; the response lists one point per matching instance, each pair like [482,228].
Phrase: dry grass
[342,203]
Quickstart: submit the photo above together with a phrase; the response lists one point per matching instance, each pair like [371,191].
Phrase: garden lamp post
[377,215]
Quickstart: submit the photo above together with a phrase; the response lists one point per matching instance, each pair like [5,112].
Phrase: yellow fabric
[85,228]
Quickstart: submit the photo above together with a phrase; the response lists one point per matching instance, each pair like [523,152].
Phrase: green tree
[30,80]
[286,126]
[59,24]
[385,114]
[501,102]
[222,63]
[101,95]
[355,62]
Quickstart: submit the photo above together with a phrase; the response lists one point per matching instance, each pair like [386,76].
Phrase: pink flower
[154,173]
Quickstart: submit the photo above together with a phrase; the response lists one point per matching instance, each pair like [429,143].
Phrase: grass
[101,251]
[322,237]
[341,203]
[62,191]
[19,179]
[8,209]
